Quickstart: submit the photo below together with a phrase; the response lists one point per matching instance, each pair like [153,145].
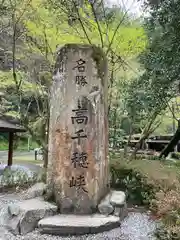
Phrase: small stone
[118,198]
[105,207]
[121,211]
[117,211]
[13,209]
[149,212]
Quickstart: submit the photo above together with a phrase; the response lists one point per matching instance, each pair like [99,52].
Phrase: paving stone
[77,224]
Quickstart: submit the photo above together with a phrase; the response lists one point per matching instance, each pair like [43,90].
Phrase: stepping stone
[64,225]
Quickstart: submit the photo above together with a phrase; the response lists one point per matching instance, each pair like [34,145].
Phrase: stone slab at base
[64,225]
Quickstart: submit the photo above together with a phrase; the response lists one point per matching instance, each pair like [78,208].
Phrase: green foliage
[150,93]
[158,83]
[128,40]
[19,144]
[154,183]
[41,27]
[137,190]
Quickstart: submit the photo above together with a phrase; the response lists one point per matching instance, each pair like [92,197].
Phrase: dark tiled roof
[7,126]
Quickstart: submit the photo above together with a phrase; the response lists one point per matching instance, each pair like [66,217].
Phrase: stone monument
[78,173]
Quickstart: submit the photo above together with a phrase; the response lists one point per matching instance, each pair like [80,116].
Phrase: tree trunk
[45,158]
[172,143]
[146,133]
[139,144]
[45,150]
[128,142]
[115,129]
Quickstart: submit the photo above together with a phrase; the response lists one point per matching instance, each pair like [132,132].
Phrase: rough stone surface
[77,225]
[37,190]
[30,212]
[118,198]
[78,171]
[105,207]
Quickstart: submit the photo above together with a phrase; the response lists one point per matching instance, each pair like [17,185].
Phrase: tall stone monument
[78,173]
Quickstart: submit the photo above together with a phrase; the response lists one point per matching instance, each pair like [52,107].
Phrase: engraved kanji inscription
[80,115]
[80,65]
[79,135]
[81,80]
[78,182]
[79,159]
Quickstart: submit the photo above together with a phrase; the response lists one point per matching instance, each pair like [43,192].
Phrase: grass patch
[30,161]
[24,159]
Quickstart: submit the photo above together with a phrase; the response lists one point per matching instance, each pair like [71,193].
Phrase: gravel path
[137,226]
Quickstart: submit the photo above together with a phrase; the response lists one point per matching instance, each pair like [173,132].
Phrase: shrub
[167,207]
[163,233]
[156,183]
[13,178]
[133,183]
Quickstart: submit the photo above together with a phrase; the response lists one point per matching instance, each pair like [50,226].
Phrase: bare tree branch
[28,107]
[82,25]
[106,22]
[114,34]
[171,110]
[98,25]
[111,82]
[15,37]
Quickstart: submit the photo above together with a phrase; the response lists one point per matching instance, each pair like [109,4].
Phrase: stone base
[23,216]
[114,203]
[77,224]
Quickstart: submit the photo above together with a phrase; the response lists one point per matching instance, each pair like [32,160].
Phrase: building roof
[8,126]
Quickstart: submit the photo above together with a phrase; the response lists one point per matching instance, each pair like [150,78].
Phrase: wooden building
[11,128]
[154,142]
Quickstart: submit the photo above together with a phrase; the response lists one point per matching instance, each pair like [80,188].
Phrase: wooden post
[10,152]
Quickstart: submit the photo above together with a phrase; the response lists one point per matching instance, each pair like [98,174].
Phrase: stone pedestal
[78,173]
[66,225]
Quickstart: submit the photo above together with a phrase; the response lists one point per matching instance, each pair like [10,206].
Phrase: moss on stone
[100,59]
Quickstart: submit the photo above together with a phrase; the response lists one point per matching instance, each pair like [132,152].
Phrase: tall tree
[37,29]
[161,61]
